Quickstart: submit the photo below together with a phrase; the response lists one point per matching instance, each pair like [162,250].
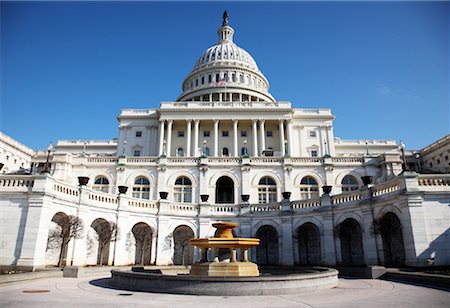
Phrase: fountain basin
[317,278]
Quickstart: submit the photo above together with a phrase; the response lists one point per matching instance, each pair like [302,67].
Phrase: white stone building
[14,156]
[226,150]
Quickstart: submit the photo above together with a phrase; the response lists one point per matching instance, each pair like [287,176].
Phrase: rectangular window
[137,153]
[243,133]
[217,77]
[181,133]
[209,78]
[206,133]
[313,153]
[138,134]
[312,134]
[203,80]
[269,133]
[196,82]
[224,133]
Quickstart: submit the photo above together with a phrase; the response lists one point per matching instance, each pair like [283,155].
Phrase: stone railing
[307,160]
[66,191]
[220,210]
[433,180]
[146,204]
[182,160]
[16,183]
[265,207]
[266,160]
[142,159]
[102,160]
[304,204]
[347,160]
[224,160]
[386,188]
[346,197]
[103,198]
[178,208]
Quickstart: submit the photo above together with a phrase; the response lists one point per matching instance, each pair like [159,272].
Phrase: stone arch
[267,252]
[350,235]
[309,244]
[183,251]
[341,175]
[352,215]
[312,174]
[143,235]
[217,175]
[392,237]
[104,173]
[131,177]
[269,174]
[171,180]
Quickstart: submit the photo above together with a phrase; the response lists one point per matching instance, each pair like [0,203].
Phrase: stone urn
[123,189]
[83,180]
[245,198]
[327,189]
[163,195]
[367,179]
[204,198]
[286,195]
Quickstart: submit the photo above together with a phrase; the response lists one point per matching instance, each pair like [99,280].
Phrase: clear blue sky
[68,68]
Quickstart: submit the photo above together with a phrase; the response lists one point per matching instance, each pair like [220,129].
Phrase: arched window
[267,190]
[349,183]
[225,152]
[141,188]
[180,152]
[101,184]
[183,190]
[309,188]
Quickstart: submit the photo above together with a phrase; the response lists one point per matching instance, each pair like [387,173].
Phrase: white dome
[225,72]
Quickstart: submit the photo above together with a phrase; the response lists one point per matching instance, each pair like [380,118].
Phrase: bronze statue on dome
[225,19]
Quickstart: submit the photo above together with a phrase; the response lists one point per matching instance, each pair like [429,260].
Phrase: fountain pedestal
[229,267]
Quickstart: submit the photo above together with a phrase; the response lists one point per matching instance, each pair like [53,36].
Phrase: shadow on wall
[438,253]
[21,233]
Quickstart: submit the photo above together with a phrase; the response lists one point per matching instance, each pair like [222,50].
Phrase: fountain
[224,240]
[226,276]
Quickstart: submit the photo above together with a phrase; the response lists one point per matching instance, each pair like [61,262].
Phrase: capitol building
[225,150]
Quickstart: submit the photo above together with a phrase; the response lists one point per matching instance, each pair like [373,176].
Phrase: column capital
[216,121]
[196,121]
[262,121]
[188,120]
[170,121]
[162,121]
[235,121]
[254,121]
[281,121]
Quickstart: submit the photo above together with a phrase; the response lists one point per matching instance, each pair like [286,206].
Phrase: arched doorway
[183,252]
[267,251]
[143,243]
[56,252]
[393,246]
[309,251]
[224,190]
[350,236]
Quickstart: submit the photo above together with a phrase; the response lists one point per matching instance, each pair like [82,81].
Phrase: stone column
[287,253]
[262,136]
[255,138]
[169,137]
[300,141]
[282,146]
[289,138]
[235,136]
[216,138]
[161,137]
[196,126]
[188,138]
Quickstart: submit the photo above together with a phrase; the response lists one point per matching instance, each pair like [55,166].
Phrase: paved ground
[93,291]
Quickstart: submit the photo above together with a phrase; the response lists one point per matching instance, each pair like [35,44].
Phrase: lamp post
[419,166]
[402,149]
[47,164]
[367,148]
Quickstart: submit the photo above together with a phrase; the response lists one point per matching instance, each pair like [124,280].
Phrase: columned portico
[255,138]
[282,146]
[196,126]
[169,137]
[262,136]
[188,138]
[235,138]
[216,138]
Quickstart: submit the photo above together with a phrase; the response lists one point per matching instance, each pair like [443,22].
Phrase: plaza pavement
[93,291]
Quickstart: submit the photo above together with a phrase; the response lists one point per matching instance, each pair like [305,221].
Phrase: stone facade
[226,150]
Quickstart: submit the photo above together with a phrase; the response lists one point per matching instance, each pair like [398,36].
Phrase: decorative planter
[245,198]
[204,198]
[286,195]
[83,180]
[123,189]
[367,179]
[163,195]
[327,189]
